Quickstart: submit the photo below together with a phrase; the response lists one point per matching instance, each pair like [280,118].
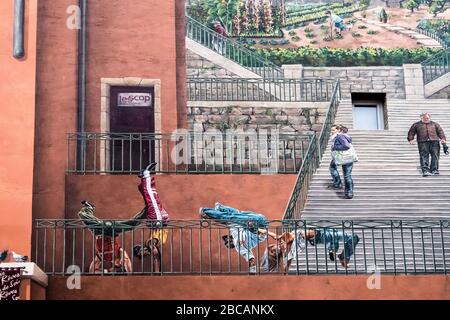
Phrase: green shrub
[273,42]
[372,32]
[340,57]
[327,38]
[320,21]
[362,27]
[295,39]
[308,30]
[292,33]
[310,35]
[263,41]
[356,34]
[313,42]
[338,36]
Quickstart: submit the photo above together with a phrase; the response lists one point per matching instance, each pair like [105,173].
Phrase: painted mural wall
[332,33]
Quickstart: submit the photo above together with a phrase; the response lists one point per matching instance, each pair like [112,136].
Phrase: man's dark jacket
[426,132]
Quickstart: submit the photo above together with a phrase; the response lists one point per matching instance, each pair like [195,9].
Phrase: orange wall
[17,101]
[181,195]
[251,288]
[133,39]
[125,38]
[56,103]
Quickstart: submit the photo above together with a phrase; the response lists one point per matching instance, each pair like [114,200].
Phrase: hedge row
[338,57]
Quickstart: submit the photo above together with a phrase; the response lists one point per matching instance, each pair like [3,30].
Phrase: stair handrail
[438,36]
[312,159]
[436,66]
[232,50]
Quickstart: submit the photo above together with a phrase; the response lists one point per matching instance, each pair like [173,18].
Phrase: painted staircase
[387,179]
[388,185]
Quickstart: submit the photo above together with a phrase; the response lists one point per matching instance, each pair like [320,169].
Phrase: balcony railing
[243,89]
[189,152]
[436,66]
[198,247]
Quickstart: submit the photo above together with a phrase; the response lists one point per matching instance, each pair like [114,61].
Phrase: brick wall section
[252,288]
[389,80]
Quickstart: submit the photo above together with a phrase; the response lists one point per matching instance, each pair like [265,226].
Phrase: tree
[237,22]
[411,4]
[436,6]
[267,16]
[256,18]
[382,16]
[221,10]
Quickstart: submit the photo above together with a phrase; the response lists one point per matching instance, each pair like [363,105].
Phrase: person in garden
[338,22]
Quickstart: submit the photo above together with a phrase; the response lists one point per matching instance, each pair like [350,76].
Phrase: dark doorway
[369,111]
[132,126]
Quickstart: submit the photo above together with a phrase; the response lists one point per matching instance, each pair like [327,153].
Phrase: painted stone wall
[253,116]
[199,67]
[442,94]
[389,80]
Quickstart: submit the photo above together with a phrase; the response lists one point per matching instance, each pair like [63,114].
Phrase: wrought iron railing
[232,50]
[312,160]
[188,152]
[442,37]
[204,247]
[436,66]
[244,89]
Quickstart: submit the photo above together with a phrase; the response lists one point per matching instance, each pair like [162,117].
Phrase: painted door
[132,124]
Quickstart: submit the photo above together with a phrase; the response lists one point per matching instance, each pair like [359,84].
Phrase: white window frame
[380,113]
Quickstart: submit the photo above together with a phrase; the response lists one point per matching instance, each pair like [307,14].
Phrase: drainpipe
[18,41]
[81,86]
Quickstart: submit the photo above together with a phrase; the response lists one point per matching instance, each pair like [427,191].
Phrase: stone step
[322,177]
[389,187]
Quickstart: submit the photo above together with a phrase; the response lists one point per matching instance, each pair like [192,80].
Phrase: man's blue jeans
[348,181]
[332,237]
[350,243]
[243,218]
